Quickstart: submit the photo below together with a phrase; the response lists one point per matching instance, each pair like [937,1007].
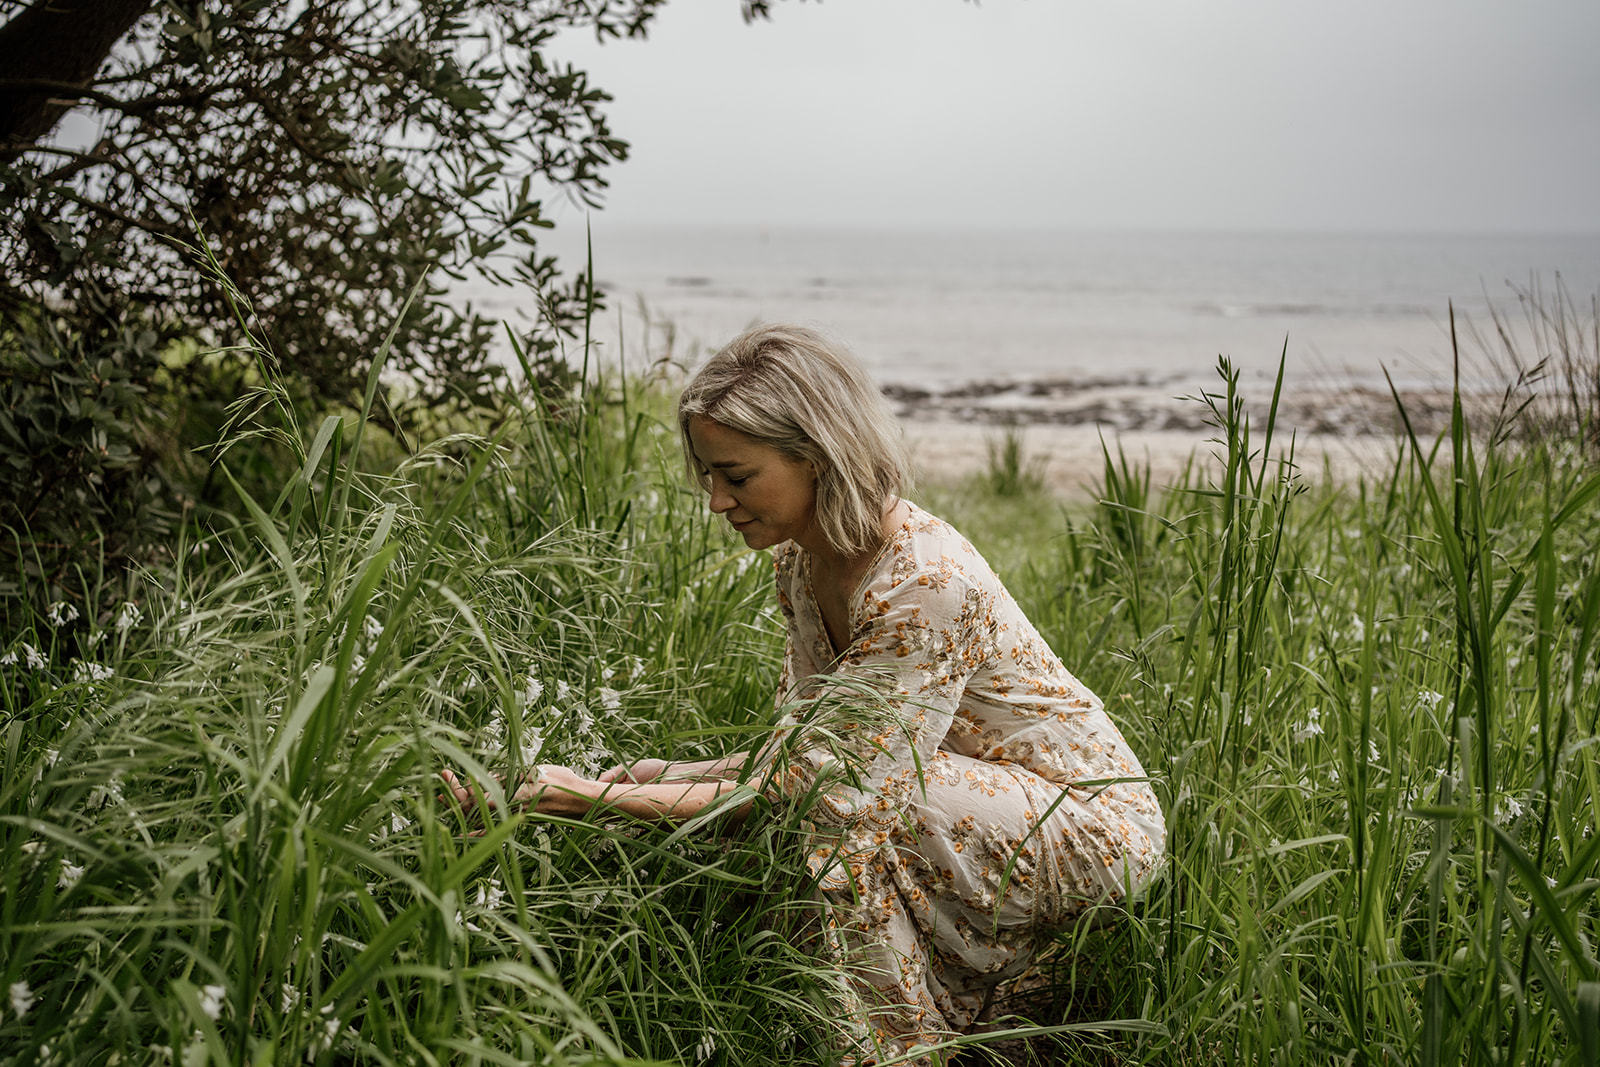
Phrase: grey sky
[1240,114]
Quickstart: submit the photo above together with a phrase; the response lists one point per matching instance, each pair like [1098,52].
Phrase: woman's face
[765,495]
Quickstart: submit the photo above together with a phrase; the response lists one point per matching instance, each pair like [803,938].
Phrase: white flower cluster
[128,616]
[1310,728]
[22,998]
[1507,810]
[70,873]
[212,1000]
[491,895]
[84,671]
[35,661]
[60,613]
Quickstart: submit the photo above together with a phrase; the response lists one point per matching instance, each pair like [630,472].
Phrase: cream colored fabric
[992,807]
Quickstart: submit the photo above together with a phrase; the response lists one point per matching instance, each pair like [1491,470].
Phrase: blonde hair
[808,398]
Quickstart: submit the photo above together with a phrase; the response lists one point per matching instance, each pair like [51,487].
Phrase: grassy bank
[1371,711]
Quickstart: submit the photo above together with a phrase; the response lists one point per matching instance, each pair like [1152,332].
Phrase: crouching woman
[987,798]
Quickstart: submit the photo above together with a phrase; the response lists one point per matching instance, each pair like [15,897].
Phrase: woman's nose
[720,501]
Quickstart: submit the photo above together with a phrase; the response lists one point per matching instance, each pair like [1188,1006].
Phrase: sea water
[942,309]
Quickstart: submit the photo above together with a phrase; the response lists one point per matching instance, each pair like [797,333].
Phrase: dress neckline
[855,596]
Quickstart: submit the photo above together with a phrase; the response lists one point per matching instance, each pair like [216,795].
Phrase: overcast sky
[1466,115]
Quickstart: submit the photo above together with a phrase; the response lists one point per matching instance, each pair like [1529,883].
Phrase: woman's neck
[829,560]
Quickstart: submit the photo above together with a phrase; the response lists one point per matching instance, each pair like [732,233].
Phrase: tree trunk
[60,41]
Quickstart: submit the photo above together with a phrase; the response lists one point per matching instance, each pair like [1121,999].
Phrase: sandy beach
[1065,427]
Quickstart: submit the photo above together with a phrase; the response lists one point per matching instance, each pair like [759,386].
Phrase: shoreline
[1335,433]
[1071,461]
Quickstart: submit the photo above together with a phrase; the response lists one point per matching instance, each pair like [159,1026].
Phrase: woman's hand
[638,773]
[549,789]
[555,790]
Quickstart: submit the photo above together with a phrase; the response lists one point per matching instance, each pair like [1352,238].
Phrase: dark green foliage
[334,154]
[81,480]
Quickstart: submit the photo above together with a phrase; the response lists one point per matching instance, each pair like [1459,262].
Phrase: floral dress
[991,804]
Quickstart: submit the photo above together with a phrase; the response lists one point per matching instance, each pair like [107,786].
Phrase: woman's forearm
[726,768]
[671,801]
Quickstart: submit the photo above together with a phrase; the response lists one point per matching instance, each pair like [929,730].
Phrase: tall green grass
[1370,710]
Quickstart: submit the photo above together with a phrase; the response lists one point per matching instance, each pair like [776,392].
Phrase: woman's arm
[656,770]
[560,791]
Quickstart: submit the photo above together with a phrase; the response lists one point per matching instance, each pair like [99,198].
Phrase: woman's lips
[741,525]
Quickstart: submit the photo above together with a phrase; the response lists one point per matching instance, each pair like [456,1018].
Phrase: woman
[993,802]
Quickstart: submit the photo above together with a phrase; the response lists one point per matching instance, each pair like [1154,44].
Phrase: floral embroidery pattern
[972,833]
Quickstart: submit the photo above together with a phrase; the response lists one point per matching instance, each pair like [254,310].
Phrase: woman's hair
[796,392]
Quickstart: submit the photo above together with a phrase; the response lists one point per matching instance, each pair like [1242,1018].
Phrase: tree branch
[63,41]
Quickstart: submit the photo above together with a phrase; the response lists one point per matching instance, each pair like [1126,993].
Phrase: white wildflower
[532,745]
[36,662]
[372,628]
[163,1052]
[357,662]
[330,1030]
[84,671]
[70,873]
[563,691]
[607,673]
[707,1046]
[1509,810]
[1310,728]
[22,998]
[582,721]
[1551,882]
[1244,713]
[491,894]
[212,998]
[1333,775]
[1428,698]
[532,690]
[398,823]
[94,638]
[50,757]
[1358,628]
[1373,755]
[291,998]
[61,613]
[610,699]
[128,616]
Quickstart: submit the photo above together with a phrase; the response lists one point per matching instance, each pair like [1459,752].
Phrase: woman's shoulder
[928,536]
[928,550]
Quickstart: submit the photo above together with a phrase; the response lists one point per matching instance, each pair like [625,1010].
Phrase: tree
[330,152]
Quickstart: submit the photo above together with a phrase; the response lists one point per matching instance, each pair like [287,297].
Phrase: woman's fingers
[458,790]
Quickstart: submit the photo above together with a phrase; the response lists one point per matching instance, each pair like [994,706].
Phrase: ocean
[943,310]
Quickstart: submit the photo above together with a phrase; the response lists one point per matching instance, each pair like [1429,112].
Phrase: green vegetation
[1370,710]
